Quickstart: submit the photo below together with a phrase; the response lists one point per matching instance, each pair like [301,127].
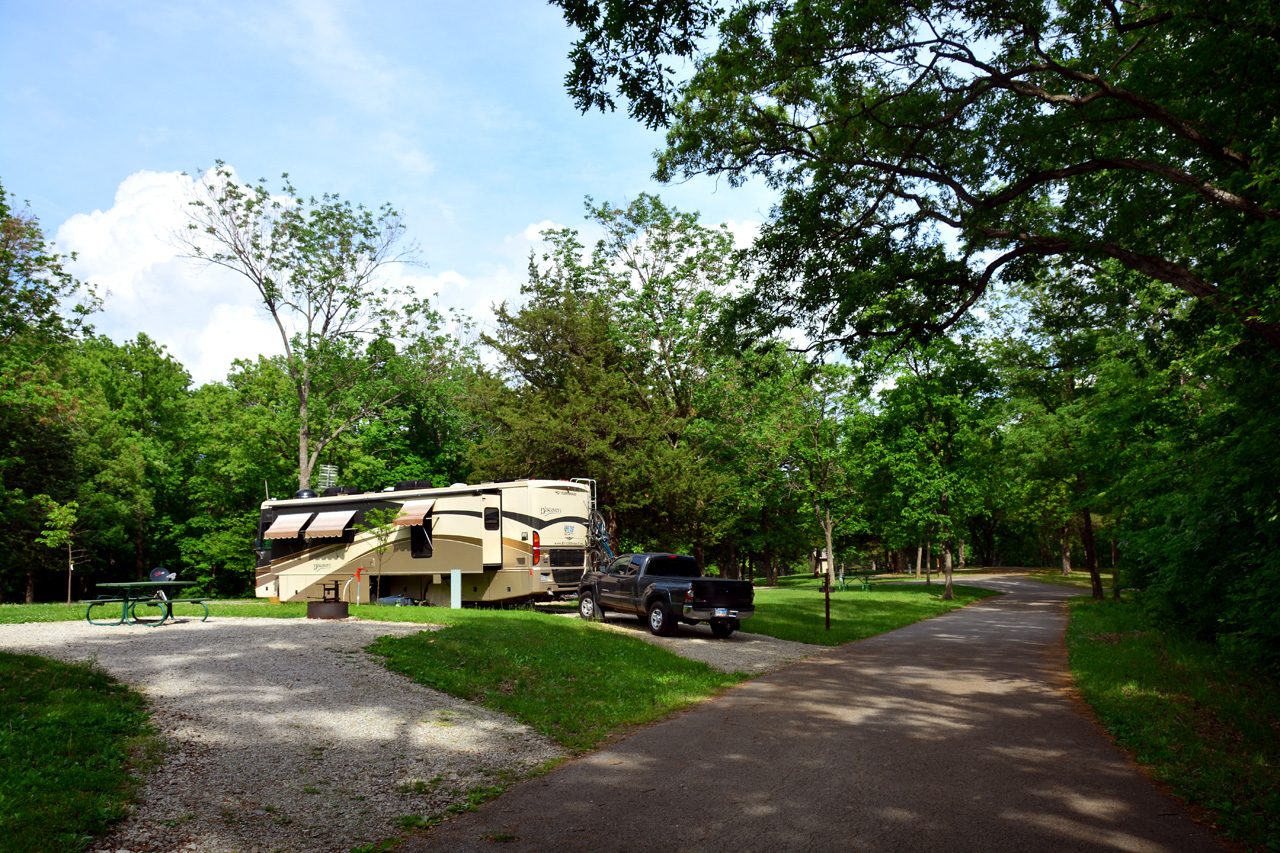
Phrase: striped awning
[413,512]
[330,525]
[287,526]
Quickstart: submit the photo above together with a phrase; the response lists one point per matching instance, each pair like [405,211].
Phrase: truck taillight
[688,595]
[537,549]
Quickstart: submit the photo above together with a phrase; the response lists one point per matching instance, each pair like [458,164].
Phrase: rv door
[491,535]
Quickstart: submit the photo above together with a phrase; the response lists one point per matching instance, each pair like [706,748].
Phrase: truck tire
[661,622]
[721,628]
[589,608]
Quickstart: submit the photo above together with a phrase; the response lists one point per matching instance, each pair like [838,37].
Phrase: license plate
[722,611]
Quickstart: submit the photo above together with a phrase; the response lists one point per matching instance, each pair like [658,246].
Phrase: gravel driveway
[287,736]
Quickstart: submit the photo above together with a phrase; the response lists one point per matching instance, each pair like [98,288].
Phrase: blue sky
[454,113]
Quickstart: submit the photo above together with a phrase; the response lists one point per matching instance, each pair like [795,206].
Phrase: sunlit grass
[574,682]
[69,737]
[1077,579]
[797,611]
[1208,729]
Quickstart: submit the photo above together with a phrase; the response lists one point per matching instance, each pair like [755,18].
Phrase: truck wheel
[721,629]
[587,607]
[661,622]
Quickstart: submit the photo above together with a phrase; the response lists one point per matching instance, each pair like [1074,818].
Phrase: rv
[510,541]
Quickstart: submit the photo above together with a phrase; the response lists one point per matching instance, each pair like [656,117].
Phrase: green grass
[69,736]
[1210,730]
[1080,580]
[573,681]
[797,610]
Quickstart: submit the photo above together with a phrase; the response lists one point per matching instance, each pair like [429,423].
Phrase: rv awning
[287,526]
[330,525]
[413,512]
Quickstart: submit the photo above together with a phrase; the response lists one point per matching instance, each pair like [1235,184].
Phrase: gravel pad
[286,735]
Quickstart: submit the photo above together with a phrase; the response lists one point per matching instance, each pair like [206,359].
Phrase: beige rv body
[495,561]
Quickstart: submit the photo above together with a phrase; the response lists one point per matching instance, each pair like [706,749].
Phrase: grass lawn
[795,609]
[1209,730]
[1077,579]
[70,734]
[570,680]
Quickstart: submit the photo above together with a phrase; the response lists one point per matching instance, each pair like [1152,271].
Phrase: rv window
[566,557]
[419,541]
[491,518]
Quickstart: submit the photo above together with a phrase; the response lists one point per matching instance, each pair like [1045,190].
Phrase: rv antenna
[266,488]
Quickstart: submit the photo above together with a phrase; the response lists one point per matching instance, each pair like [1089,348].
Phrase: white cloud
[206,317]
[744,233]
[315,37]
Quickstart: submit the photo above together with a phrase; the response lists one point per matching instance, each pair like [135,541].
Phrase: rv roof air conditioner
[341,490]
[407,485]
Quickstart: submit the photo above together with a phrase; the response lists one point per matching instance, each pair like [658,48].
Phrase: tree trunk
[731,560]
[1066,550]
[947,594]
[1115,555]
[1090,553]
[961,553]
[919,557]
[140,557]
[31,581]
[928,562]
[828,525]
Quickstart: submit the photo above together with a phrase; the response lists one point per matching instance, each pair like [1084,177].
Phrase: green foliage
[570,680]
[923,151]
[1195,720]
[66,753]
[1112,167]
[37,328]
[608,365]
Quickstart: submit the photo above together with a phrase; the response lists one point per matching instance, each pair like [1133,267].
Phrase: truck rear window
[674,567]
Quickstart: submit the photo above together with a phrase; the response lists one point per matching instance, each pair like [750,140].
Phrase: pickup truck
[664,589]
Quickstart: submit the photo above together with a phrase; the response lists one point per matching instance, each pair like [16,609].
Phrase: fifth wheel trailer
[507,541]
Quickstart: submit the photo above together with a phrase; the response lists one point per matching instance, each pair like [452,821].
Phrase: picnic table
[862,578]
[130,594]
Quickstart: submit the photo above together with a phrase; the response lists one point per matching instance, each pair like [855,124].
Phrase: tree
[607,366]
[60,530]
[923,151]
[378,523]
[132,435]
[40,320]
[317,265]
[930,434]
[816,434]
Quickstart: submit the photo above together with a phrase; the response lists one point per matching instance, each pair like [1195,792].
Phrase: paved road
[955,734]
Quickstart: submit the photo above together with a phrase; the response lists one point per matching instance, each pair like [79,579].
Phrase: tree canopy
[924,151]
